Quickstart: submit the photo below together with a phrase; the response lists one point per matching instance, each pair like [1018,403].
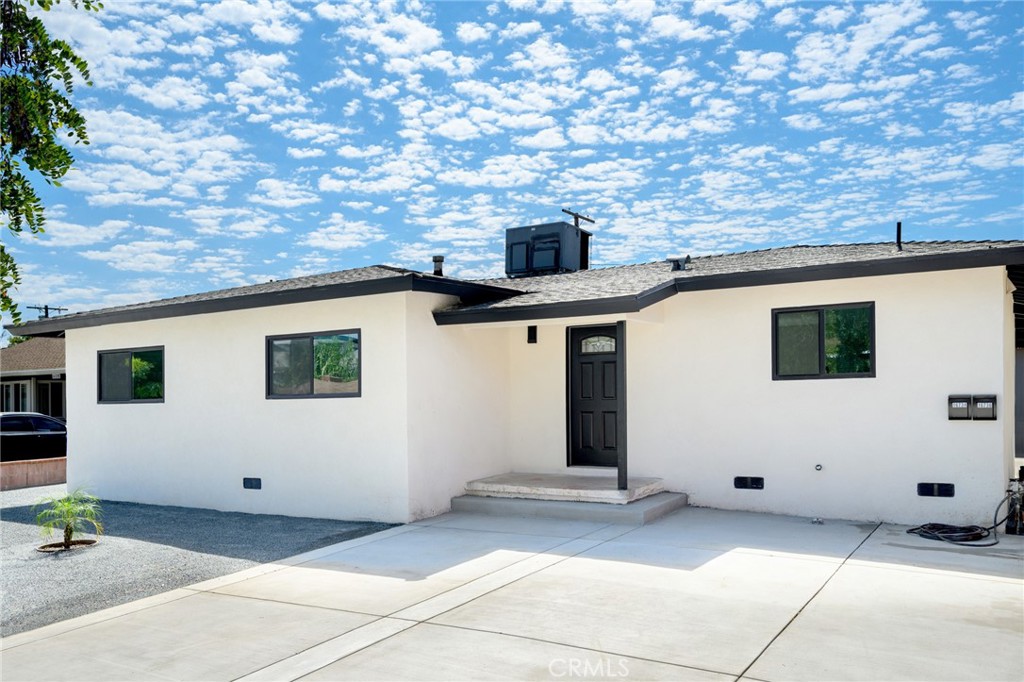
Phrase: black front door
[594,402]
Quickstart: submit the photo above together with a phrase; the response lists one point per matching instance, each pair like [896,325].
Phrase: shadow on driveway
[145,550]
[256,537]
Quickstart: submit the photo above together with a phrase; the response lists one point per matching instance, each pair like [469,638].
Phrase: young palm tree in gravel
[74,513]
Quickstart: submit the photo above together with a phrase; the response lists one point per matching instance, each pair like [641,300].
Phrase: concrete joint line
[329,651]
[600,652]
[346,644]
[809,600]
[502,584]
[113,613]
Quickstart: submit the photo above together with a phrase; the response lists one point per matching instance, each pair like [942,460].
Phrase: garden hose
[967,536]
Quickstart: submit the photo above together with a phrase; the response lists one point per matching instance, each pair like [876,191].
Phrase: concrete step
[566,487]
[635,513]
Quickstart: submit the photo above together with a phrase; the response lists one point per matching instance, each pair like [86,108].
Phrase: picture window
[824,342]
[135,375]
[317,365]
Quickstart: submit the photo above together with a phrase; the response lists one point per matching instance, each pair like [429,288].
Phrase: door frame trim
[620,380]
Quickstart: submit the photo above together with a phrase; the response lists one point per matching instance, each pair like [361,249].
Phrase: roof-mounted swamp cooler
[545,249]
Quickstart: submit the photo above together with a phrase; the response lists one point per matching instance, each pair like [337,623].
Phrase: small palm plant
[73,513]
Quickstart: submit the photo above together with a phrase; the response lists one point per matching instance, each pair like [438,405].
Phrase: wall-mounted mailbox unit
[959,407]
[544,249]
[984,407]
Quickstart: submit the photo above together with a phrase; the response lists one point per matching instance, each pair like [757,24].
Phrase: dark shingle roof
[623,286]
[41,354]
[367,274]
[374,279]
[604,290]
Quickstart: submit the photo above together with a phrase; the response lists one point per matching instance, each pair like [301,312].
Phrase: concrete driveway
[698,595]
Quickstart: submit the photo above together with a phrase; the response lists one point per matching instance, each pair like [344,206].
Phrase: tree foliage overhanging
[36,78]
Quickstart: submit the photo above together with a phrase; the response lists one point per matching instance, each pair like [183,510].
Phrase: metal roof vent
[679,262]
[439,266]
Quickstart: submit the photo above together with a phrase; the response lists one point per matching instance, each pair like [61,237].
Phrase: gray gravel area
[145,550]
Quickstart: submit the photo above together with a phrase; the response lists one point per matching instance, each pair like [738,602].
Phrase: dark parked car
[30,435]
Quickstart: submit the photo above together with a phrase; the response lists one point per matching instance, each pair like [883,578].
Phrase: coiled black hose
[966,536]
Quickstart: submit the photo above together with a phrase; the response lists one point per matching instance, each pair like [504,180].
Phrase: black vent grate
[935,490]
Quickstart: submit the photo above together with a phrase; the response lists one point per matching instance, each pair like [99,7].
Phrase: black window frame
[269,369]
[822,374]
[140,349]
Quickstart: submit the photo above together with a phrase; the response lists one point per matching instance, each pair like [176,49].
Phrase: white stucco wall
[334,457]
[458,405]
[442,405]
[702,406]
[537,438]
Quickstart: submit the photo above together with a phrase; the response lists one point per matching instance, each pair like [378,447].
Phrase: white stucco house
[858,381]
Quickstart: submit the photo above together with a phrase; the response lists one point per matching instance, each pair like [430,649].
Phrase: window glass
[797,343]
[827,341]
[9,424]
[148,375]
[597,344]
[115,376]
[127,375]
[848,340]
[15,397]
[336,364]
[43,424]
[290,366]
[325,364]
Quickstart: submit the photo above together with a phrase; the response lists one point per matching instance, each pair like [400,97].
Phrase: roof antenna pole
[45,309]
[577,217]
[899,236]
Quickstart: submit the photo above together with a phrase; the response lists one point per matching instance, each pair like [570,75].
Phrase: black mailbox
[984,407]
[959,407]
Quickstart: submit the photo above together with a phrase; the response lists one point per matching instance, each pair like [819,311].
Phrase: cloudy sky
[234,142]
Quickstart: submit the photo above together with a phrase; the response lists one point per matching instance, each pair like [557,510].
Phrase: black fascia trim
[406,282]
[736,280]
[542,311]
[888,266]
[468,292]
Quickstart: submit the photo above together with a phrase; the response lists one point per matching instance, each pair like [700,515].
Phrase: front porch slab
[637,513]
[564,487]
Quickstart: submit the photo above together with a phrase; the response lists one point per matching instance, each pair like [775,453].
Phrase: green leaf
[36,76]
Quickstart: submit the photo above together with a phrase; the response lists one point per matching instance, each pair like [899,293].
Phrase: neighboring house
[809,380]
[32,377]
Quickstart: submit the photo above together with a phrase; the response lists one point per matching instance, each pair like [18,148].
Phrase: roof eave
[9,373]
[896,265]
[545,311]
[808,273]
[406,282]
